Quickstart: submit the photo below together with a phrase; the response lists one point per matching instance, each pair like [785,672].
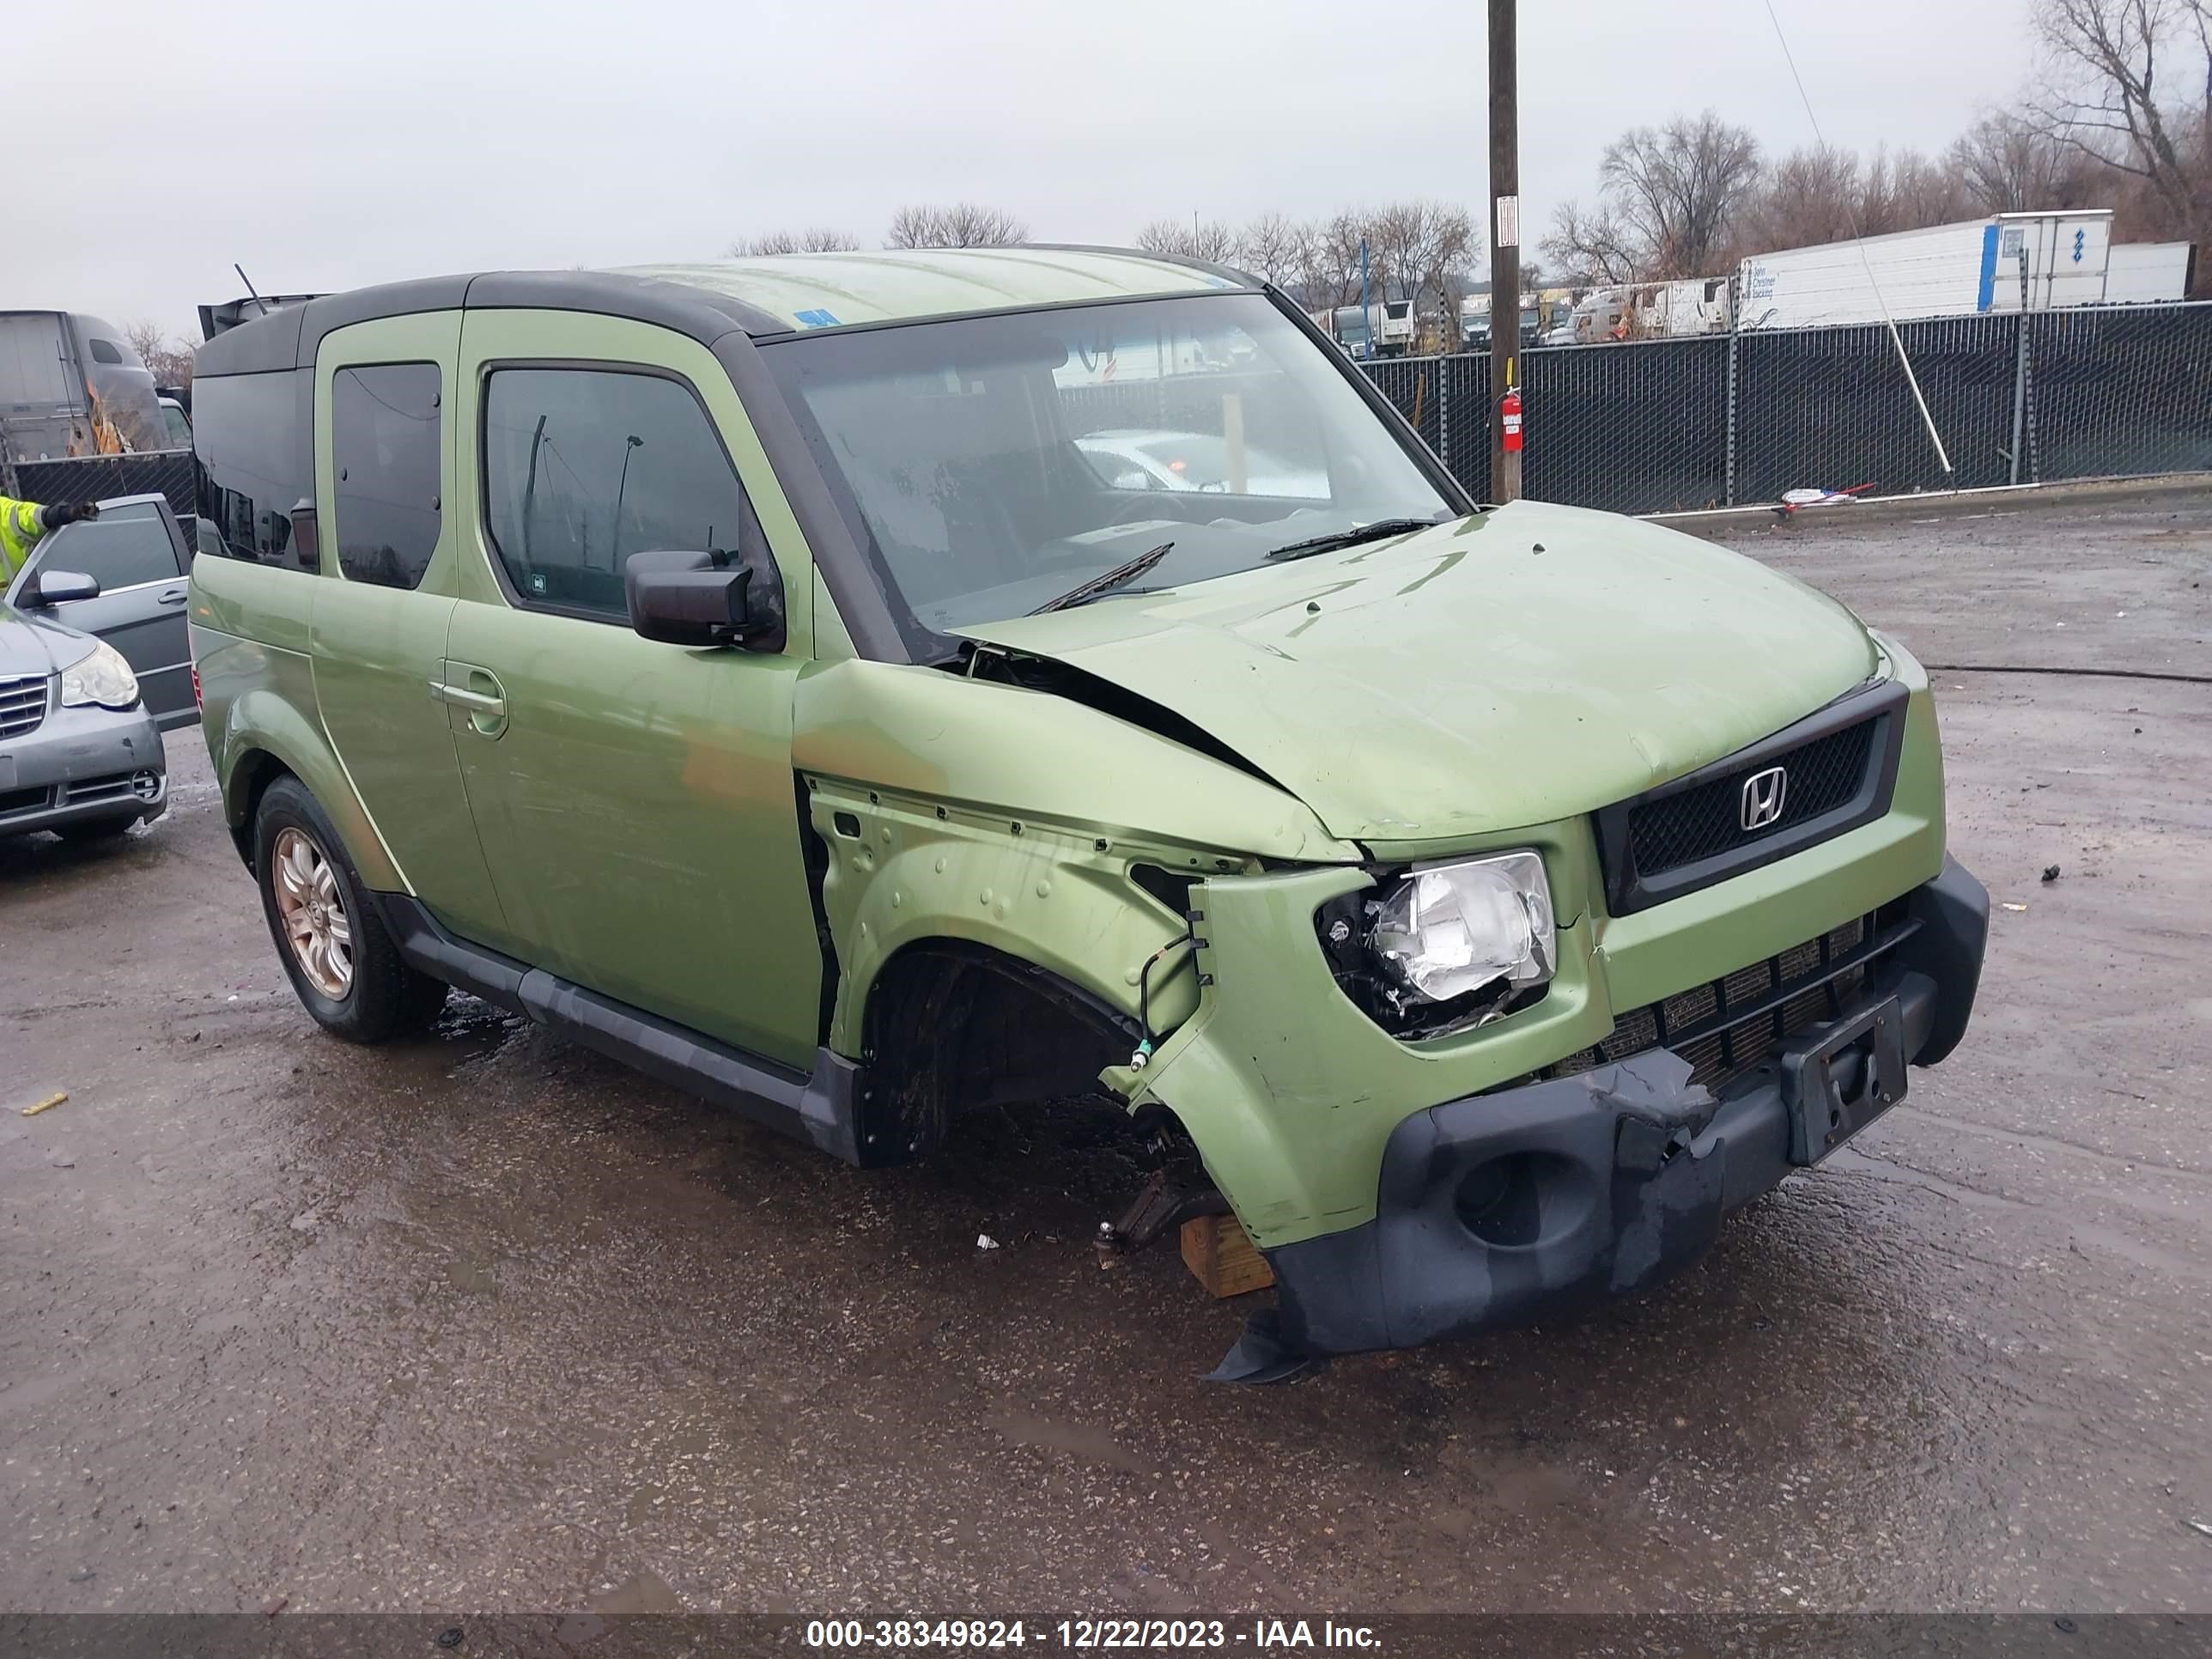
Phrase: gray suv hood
[34,644]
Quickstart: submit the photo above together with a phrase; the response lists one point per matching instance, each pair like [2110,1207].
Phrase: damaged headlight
[1454,928]
[1445,947]
[103,677]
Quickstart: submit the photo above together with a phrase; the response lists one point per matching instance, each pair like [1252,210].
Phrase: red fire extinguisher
[1508,417]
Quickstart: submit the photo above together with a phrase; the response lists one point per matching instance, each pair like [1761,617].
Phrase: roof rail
[1242,278]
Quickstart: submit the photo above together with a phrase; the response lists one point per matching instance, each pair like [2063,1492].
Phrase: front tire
[328,933]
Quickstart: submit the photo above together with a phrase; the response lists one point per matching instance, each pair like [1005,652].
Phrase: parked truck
[2008,262]
[1383,329]
[72,385]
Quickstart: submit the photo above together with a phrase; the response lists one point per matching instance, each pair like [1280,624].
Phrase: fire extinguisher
[1509,418]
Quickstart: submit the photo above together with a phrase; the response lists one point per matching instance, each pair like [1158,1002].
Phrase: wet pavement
[482,1321]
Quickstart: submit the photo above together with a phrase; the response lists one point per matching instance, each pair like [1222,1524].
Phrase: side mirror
[705,598]
[52,587]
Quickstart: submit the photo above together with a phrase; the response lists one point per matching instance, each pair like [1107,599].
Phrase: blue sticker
[537,582]
[816,319]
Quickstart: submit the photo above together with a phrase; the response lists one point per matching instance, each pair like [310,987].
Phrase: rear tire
[328,931]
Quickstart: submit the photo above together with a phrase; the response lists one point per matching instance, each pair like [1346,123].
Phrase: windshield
[992,464]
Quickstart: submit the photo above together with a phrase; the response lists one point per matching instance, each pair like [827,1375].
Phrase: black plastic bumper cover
[1500,1208]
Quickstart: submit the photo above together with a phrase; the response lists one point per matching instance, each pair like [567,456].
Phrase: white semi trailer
[2008,262]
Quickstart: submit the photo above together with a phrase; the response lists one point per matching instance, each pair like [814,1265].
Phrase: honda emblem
[1762,798]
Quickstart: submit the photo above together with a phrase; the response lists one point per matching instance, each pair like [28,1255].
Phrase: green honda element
[860,687]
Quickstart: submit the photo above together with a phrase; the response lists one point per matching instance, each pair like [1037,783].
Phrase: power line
[1858,238]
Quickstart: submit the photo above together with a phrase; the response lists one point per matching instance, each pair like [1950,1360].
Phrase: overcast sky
[325,144]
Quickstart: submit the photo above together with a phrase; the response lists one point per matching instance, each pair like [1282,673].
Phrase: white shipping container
[2010,262]
[2148,273]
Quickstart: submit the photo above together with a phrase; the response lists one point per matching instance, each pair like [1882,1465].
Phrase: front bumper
[82,765]
[1500,1208]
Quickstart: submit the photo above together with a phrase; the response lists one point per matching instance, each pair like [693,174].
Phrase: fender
[252,699]
[903,870]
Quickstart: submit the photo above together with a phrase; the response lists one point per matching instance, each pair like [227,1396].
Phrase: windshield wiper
[1352,537]
[1098,586]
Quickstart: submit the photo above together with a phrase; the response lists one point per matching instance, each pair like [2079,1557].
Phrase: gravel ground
[483,1322]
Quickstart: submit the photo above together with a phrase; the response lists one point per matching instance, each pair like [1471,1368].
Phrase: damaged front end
[1551,1180]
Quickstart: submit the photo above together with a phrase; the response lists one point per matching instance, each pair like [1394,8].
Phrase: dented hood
[1524,665]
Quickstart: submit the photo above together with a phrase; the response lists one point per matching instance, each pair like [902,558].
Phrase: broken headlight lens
[1454,929]
[102,678]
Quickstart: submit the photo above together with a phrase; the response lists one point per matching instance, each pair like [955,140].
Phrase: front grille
[1706,822]
[1735,1025]
[1839,769]
[122,786]
[22,704]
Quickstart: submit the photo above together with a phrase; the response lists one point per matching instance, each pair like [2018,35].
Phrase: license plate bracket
[1838,1080]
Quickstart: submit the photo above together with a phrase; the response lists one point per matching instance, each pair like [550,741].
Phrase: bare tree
[2105,58]
[1823,194]
[1210,239]
[1674,193]
[1329,269]
[1427,248]
[1590,249]
[1274,249]
[817,240]
[2007,164]
[168,358]
[959,224]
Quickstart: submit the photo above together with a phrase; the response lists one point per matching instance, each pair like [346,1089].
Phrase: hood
[34,644]
[1527,665]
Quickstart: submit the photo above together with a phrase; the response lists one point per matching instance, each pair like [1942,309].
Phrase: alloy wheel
[312,909]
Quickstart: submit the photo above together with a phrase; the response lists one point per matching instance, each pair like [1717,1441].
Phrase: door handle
[477,702]
[177,598]
[482,699]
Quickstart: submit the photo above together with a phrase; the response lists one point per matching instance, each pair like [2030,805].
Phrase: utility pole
[1366,317]
[1504,247]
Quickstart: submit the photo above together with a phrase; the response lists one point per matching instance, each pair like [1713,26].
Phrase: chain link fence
[103,477]
[1727,419]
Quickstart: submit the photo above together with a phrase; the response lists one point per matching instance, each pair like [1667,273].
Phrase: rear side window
[385,449]
[583,467]
[125,546]
[250,450]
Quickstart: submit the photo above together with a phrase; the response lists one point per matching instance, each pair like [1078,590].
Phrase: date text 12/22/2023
[1087,1634]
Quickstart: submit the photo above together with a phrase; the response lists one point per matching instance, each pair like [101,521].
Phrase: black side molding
[820,1108]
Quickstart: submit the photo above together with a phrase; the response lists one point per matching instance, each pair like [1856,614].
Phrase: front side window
[126,546]
[583,467]
[384,449]
[105,351]
[993,464]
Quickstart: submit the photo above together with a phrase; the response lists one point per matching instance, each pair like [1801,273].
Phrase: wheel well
[258,768]
[952,1025]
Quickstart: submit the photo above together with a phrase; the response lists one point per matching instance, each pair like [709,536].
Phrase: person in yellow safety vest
[21,525]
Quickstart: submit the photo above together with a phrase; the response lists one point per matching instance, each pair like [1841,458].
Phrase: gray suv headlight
[102,678]
[1455,928]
